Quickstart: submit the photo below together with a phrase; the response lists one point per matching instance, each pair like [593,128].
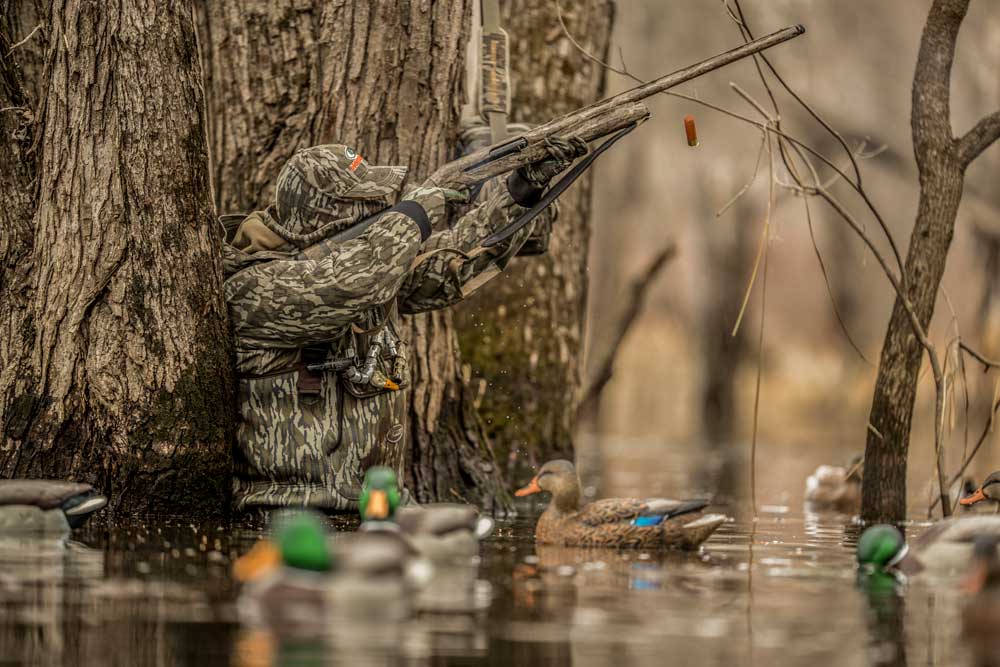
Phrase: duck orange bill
[263,558]
[378,505]
[531,488]
[974,498]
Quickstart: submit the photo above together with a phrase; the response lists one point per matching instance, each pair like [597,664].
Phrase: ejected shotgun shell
[690,130]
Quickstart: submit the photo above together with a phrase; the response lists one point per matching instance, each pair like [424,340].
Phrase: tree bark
[522,334]
[941,162]
[116,363]
[386,78]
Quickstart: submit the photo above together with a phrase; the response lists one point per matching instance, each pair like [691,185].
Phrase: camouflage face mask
[325,189]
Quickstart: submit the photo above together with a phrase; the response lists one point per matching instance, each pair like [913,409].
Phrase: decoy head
[298,541]
[881,548]
[984,570]
[380,495]
[558,478]
[990,490]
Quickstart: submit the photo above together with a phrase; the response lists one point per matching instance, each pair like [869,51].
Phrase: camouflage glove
[435,200]
[527,183]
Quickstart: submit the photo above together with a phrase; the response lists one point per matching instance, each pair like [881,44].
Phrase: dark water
[780,590]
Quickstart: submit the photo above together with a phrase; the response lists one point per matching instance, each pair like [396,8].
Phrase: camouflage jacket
[312,449]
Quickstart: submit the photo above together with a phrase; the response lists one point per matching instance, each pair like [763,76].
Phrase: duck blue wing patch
[647,520]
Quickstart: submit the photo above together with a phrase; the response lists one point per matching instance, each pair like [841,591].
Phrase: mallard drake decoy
[981,614]
[944,548]
[435,530]
[46,506]
[832,488]
[295,579]
[615,522]
[989,490]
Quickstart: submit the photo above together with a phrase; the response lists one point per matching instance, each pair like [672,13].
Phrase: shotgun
[613,117]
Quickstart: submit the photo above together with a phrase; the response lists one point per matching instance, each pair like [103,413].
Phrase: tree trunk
[116,364]
[385,77]
[522,334]
[941,162]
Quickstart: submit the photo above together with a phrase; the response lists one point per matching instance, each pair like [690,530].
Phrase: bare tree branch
[985,361]
[979,138]
[633,306]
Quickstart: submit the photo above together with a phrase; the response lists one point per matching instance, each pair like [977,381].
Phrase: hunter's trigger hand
[527,183]
[435,200]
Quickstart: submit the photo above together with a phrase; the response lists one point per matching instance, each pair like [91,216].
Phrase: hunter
[321,365]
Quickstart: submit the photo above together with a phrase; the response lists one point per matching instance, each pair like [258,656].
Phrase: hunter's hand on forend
[562,153]
[527,183]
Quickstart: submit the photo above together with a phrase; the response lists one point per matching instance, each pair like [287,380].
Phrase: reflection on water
[781,590]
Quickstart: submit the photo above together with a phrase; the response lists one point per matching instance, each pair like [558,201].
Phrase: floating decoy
[615,522]
[989,490]
[293,580]
[981,614]
[46,506]
[836,489]
[944,548]
[435,530]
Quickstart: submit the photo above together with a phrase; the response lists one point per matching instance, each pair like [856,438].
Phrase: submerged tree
[941,160]
[115,364]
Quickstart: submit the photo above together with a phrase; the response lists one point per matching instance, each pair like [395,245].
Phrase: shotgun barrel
[597,120]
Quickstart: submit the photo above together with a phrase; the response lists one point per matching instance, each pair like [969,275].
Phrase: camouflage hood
[325,189]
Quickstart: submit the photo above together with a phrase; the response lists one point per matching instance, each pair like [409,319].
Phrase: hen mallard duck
[944,548]
[435,530]
[294,579]
[836,489]
[46,506]
[988,491]
[615,522]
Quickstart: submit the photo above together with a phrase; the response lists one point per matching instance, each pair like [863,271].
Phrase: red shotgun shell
[689,129]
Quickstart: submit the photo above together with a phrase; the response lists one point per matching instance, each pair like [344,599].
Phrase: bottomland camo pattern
[312,450]
[321,189]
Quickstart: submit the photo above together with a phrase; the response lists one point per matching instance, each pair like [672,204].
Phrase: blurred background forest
[683,387]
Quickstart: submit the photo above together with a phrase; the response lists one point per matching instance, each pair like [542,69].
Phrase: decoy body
[437,530]
[615,522]
[981,614]
[836,489]
[944,548]
[295,580]
[46,506]
[988,491]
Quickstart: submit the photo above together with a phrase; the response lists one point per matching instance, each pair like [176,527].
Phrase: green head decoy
[380,495]
[298,541]
[882,548]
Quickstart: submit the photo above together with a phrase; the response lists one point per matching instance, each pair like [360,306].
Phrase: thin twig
[985,361]
[760,339]
[23,41]
[829,288]
[753,177]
